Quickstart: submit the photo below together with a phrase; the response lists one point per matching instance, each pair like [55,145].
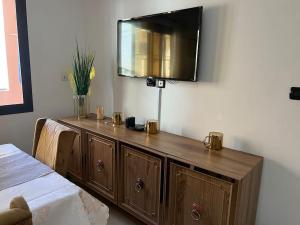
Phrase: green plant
[82,73]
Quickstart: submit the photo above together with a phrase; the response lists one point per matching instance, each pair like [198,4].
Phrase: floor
[118,217]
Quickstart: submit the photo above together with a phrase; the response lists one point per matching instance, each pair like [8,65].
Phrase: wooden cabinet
[197,198]
[101,166]
[75,163]
[141,184]
[165,179]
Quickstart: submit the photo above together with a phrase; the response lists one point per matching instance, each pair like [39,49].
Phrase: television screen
[163,46]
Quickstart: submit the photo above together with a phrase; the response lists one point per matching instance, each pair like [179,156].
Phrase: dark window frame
[27,105]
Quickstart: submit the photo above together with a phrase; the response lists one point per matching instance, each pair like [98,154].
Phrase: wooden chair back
[52,144]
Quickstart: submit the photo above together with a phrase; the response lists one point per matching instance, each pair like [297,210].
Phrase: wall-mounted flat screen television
[162,46]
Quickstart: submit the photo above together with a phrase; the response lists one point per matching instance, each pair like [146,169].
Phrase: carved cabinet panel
[101,166]
[141,184]
[197,198]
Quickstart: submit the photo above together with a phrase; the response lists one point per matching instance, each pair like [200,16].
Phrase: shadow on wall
[116,84]
[278,204]
[277,201]
[119,91]
[215,38]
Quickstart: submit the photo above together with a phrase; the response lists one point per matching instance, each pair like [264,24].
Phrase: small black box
[151,82]
[295,93]
[130,122]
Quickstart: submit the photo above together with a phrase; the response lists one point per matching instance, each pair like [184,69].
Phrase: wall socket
[161,84]
[64,77]
[295,93]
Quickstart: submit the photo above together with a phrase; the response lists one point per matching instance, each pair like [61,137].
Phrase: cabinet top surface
[227,162]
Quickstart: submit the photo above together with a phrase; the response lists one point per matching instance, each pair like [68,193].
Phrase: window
[15,77]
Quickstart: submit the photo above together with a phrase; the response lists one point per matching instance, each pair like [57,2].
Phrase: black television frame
[197,56]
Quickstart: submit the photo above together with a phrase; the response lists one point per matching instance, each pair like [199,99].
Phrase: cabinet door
[141,184]
[197,198]
[101,166]
[75,162]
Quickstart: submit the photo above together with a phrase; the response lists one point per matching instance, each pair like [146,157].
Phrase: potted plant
[83,72]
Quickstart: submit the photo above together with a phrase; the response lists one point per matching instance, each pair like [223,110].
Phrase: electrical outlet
[64,77]
[161,84]
[295,93]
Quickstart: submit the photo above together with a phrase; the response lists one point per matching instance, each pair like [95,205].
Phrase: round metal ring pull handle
[139,185]
[100,165]
[196,212]
[195,215]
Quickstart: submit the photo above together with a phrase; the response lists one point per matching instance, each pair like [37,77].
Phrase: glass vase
[81,106]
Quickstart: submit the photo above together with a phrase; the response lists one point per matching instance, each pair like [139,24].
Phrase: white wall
[249,59]
[52,26]
[100,24]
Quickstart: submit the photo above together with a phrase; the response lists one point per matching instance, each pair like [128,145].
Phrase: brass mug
[117,118]
[214,141]
[100,112]
[152,127]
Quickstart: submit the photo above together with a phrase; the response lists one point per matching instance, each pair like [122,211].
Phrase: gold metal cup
[214,141]
[100,112]
[152,127]
[117,118]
